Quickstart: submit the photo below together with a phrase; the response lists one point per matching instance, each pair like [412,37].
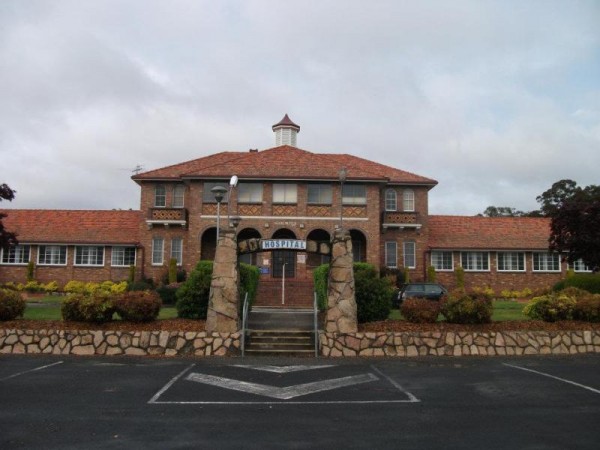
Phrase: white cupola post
[286,132]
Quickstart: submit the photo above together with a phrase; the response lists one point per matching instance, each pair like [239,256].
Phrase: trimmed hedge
[249,276]
[192,296]
[587,281]
[138,306]
[12,304]
[320,275]
[550,308]
[97,307]
[420,310]
[467,308]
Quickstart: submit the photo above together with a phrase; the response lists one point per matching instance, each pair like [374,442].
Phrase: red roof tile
[73,226]
[490,233]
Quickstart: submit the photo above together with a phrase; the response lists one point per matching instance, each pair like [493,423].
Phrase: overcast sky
[494,99]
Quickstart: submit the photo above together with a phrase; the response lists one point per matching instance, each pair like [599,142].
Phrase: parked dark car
[430,291]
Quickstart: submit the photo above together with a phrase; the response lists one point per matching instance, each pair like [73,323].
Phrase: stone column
[222,315]
[341,301]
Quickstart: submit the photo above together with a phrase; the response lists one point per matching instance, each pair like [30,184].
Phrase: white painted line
[281,393]
[169,384]
[282,369]
[333,402]
[411,397]
[554,377]
[31,370]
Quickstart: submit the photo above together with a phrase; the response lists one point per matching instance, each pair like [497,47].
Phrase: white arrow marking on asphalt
[281,393]
[282,369]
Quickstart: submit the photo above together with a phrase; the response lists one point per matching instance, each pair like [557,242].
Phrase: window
[158,245]
[442,261]
[18,254]
[354,194]
[250,192]
[391,203]
[177,250]
[123,256]
[577,266]
[511,262]
[546,262]
[178,195]
[410,258]
[89,256]
[209,197]
[408,200]
[320,194]
[475,261]
[52,255]
[285,193]
[160,196]
[391,254]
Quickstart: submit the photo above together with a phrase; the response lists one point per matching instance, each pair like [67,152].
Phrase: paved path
[491,403]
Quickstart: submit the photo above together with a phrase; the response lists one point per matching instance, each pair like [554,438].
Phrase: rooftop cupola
[285,132]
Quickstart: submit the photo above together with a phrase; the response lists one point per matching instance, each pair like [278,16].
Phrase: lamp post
[219,192]
[342,177]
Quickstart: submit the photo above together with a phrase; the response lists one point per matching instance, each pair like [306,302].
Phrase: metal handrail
[244,322]
[316,326]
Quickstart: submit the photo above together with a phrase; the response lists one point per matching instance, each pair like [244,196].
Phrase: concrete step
[280,343]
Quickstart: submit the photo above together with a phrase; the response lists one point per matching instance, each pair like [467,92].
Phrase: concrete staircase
[298,294]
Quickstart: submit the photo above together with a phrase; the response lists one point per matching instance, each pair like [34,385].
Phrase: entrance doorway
[283,261]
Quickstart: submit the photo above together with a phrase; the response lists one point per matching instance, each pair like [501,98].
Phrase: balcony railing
[400,219]
[167,216]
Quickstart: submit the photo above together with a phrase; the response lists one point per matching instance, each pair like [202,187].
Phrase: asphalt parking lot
[79,402]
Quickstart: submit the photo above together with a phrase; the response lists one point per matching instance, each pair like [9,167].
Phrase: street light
[219,192]
[342,177]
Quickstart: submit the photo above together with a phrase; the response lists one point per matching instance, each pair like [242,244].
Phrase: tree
[6,238]
[507,211]
[575,221]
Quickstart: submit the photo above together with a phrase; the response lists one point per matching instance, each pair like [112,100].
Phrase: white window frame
[510,260]
[439,260]
[177,250]
[409,250]
[476,261]
[391,200]
[118,256]
[178,200]
[88,256]
[579,266]
[391,254]
[250,192]
[56,253]
[158,255]
[323,192]
[408,200]
[285,193]
[16,255]
[541,262]
[354,194]
[160,196]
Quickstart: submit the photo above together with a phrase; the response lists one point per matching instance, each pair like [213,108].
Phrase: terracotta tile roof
[490,233]
[73,226]
[284,162]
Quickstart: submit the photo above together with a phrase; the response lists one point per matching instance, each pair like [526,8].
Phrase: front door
[281,259]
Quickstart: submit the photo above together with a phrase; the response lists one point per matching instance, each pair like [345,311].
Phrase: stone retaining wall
[449,343]
[90,342]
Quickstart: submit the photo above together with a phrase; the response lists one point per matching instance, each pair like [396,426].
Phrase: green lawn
[52,312]
[503,311]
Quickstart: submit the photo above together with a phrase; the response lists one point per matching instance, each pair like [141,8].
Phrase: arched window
[391,200]
[408,200]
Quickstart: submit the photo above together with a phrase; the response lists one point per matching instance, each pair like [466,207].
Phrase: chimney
[285,132]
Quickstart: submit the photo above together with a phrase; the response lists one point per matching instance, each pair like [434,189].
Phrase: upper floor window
[89,255]
[475,261]
[391,200]
[354,194]
[410,254]
[160,196]
[18,254]
[408,200]
[208,196]
[178,195]
[442,261]
[320,194]
[250,192]
[391,254]
[177,250]
[158,247]
[123,256]
[285,193]
[52,255]
[511,262]
[580,266]
[546,262]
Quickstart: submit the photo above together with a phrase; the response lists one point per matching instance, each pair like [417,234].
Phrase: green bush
[587,281]
[96,307]
[138,306]
[12,304]
[69,308]
[459,273]
[550,308]
[141,285]
[320,277]
[431,274]
[192,296]
[249,276]
[420,310]
[587,308]
[373,295]
[461,307]
[168,293]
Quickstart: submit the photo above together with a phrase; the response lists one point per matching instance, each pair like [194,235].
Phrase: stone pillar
[222,315]
[341,302]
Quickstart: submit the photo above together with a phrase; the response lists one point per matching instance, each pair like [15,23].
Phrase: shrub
[69,308]
[74,287]
[485,290]
[168,294]
[192,296]
[118,288]
[249,276]
[131,275]
[138,306]
[461,307]
[50,287]
[12,304]
[140,285]
[420,310]
[431,274]
[550,308]
[96,307]
[373,295]
[586,281]
[33,286]
[320,275]
[587,308]
[459,273]
[172,270]
[30,271]
[395,275]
